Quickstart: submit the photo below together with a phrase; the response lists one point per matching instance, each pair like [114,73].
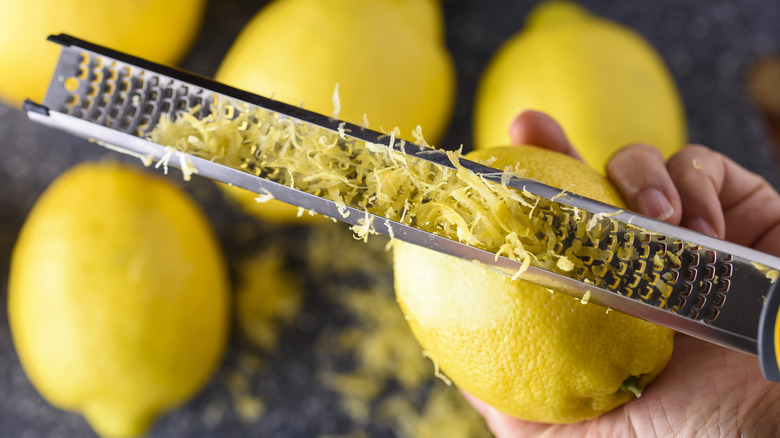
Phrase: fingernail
[652,202]
[702,226]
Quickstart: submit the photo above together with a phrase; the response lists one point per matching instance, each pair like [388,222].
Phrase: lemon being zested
[528,351]
[117,297]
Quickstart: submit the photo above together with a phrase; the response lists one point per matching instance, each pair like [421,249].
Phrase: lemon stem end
[632,384]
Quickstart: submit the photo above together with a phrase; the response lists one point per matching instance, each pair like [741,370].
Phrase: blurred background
[715,49]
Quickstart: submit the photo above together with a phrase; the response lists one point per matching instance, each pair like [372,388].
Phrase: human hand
[705,389]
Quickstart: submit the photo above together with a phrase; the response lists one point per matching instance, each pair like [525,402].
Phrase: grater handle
[769,335]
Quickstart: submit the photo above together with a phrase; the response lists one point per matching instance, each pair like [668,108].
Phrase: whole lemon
[387,56]
[159,30]
[528,351]
[601,81]
[117,297]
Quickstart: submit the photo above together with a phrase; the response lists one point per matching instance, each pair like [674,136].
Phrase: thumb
[538,129]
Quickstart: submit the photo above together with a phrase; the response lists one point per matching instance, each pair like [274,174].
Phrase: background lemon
[388,57]
[528,352]
[604,83]
[117,297]
[159,30]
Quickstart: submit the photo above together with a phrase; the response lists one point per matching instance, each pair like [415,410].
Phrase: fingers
[640,175]
[720,198]
[539,129]
[698,174]
[699,189]
[721,195]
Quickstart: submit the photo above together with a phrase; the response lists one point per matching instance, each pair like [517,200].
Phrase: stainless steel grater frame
[708,288]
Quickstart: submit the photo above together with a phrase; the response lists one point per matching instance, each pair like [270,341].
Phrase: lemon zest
[474,209]
[770,273]
[436,371]
[264,197]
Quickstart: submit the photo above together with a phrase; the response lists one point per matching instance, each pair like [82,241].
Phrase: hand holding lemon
[705,389]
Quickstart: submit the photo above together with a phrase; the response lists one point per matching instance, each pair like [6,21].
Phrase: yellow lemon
[387,56]
[530,352]
[605,84]
[117,297]
[160,30]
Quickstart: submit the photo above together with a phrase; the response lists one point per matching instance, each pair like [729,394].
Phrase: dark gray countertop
[709,46]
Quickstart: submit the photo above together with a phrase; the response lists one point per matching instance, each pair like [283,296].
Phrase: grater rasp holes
[668,274]
[125,97]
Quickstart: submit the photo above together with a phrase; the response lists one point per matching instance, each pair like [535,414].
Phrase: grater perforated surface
[672,276]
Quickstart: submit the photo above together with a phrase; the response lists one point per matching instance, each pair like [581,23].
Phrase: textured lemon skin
[530,352]
[387,56]
[601,81]
[159,30]
[118,297]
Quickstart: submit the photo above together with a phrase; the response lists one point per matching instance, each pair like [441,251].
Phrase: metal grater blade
[665,274]
[712,282]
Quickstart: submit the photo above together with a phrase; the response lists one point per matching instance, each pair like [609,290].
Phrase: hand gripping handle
[769,335]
